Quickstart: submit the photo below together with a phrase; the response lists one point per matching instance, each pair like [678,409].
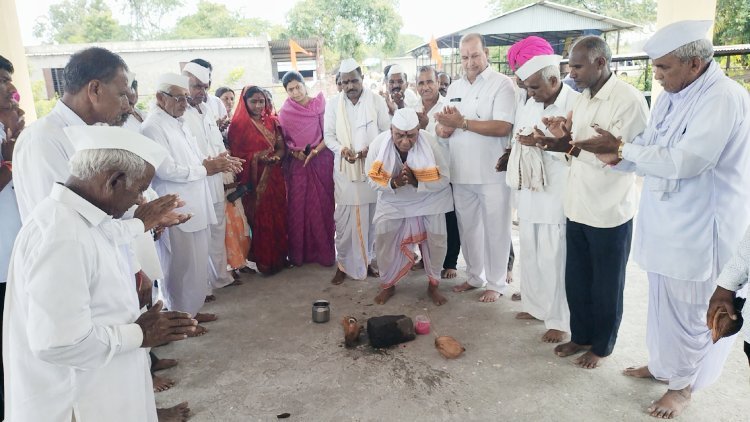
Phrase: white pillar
[11,47]
[670,11]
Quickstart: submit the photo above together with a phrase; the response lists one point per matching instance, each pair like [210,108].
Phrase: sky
[423,18]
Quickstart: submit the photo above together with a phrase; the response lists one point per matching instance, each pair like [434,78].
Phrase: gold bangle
[619,150]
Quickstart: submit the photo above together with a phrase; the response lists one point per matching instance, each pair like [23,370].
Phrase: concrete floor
[264,357]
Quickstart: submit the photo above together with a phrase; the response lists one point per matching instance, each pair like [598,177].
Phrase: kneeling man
[409,171]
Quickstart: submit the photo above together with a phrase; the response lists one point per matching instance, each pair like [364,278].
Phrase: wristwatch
[619,150]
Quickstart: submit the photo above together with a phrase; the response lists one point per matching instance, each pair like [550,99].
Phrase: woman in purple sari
[309,176]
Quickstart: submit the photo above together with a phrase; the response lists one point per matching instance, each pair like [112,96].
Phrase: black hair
[134,85]
[93,63]
[386,69]
[203,63]
[6,65]
[424,69]
[292,76]
[252,91]
[450,80]
[223,90]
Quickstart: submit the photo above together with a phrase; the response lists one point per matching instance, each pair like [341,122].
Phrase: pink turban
[520,52]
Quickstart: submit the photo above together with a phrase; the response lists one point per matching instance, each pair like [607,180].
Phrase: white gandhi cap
[395,70]
[536,64]
[198,71]
[405,119]
[113,137]
[172,79]
[348,65]
[675,35]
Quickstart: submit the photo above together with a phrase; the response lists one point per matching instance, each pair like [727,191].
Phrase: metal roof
[719,51]
[280,48]
[544,18]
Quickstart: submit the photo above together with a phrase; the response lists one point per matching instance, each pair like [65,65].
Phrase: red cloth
[522,51]
[265,206]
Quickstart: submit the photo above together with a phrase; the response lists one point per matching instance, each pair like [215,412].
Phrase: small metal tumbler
[321,311]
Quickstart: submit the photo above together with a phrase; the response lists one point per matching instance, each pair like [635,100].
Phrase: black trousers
[747,351]
[594,282]
[454,241]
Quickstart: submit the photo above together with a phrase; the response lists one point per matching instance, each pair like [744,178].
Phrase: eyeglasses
[178,98]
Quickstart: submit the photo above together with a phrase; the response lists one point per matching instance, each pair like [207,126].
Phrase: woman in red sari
[255,136]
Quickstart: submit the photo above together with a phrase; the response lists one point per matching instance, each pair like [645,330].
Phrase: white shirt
[428,198]
[439,105]
[492,96]
[70,344]
[182,172]
[216,106]
[41,157]
[678,233]
[10,220]
[545,207]
[210,142]
[597,195]
[734,277]
[347,192]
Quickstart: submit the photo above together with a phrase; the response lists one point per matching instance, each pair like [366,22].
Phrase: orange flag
[295,48]
[435,53]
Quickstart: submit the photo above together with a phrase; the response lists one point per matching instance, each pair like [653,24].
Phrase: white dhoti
[185,285]
[355,238]
[543,274]
[484,220]
[679,342]
[395,241]
[217,250]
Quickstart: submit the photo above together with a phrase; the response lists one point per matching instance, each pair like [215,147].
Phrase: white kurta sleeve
[443,168]
[170,170]
[504,103]
[735,273]
[384,116]
[62,332]
[697,151]
[329,126]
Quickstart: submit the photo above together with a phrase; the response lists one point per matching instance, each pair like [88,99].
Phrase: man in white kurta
[201,122]
[695,159]
[74,340]
[353,119]
[184,172]
[540,177]
[408,169]
[477,125]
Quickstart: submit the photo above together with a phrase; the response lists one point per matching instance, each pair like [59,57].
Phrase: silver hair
[702,49]
[88,163]
[549,72]
[595,46]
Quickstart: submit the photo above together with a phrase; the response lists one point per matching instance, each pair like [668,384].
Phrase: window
[53,79]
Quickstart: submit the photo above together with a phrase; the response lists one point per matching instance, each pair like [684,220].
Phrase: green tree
[406,42]
[214,20]
[637,11]
[346,25]
[146,16]
[732,22]
[79,21]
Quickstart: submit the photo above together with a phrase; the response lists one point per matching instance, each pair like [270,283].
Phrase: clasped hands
[161,213]
[223,163]
[448,121]
[350,156]
[405,177]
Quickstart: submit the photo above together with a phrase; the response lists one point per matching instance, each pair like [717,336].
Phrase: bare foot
[463,287]
[384,295]
[437,298]
[177,413]
[671,404]
[516,297]
[553,336]
[161,383]
[490,296]
[210,298]
[570,348]
[163,364]
[419,265]
[199,331]
[638,372]
[448,273]
[524,315]
[588,360]
[372,272]
[204,317]
[509,277]
[339,277]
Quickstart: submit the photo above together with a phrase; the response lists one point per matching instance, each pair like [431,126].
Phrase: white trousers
[543,274]
[355,238]
[217,250]
[679,342]
[185,285]
[483,214]
[395,242]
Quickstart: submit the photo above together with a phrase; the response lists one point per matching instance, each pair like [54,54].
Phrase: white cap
[405,119]
[172,79]
[674,36]
[536,64]
[114,137]
[395,69]
[348,65]
[200,72]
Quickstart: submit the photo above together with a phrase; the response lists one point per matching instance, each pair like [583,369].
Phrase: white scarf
[526,168]
[421,161]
